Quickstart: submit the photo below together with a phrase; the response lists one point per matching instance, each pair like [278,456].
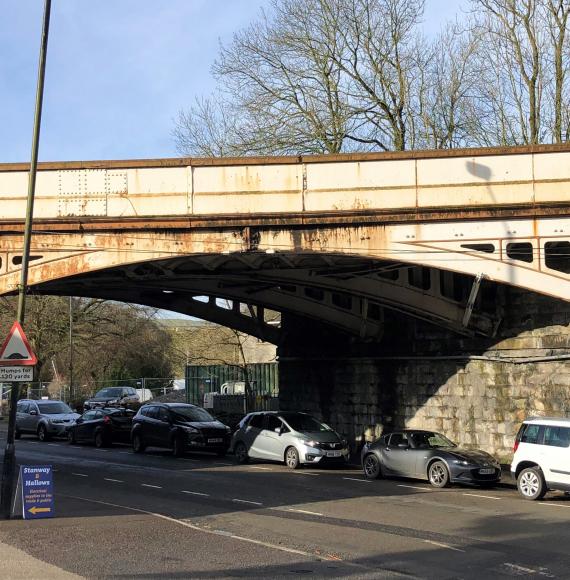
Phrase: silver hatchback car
[295,438]
[43,418]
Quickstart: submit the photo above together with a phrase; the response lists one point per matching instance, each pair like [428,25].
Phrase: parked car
[43,418]
[295,438]
[180,427]
[102,427]
[112,397]
[541,459]
[428,455]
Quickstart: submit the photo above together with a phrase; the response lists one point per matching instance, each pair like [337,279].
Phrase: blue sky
[118,71]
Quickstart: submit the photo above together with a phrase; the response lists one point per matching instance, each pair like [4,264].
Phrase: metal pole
[71,390]
[9,465]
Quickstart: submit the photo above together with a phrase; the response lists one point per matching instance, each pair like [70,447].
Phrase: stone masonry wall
[423,377]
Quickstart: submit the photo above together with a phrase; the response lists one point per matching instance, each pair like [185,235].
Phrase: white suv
[542,457]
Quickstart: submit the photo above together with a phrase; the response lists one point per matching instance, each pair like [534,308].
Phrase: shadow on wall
[422,376]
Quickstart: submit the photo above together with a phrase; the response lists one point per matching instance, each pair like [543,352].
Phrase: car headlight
[189,429]
[228,430]
[460,462]
[315,444]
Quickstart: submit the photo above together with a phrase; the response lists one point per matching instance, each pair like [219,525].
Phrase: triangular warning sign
[16,350]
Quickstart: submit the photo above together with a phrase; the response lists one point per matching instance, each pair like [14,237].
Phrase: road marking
[415,487]
[125,452]
[223,464]
[54,444]
[80,474]
[442,545]
[264,468]
[153,486]
[103,450]
[306,473]
[196,493]
[247,501]
[525,570]
[484,496]
[296,511]
[555,505]
[114,480]
[204,531]
[355,479]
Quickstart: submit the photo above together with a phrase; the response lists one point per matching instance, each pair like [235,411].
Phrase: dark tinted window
[273,422]
[89,416]
[152,412]
[398,438]
[304,423]
[23,407]
[557,436]
[163,414]
[530,434]
[191,414]
[256,421]
[110,392]
[53,408]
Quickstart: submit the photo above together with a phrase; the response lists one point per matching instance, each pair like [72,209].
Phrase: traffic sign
[37,491]
[16,349]
[16,374]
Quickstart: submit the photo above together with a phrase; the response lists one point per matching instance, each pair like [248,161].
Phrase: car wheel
[178,446]
[99,440]
[42,433]
[240,453]
[372,467]
[138,444]
[438,474]
[17,434]
[531,484]
[71,437]
[292,458]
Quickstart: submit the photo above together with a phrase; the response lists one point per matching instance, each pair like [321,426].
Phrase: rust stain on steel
[342,217]
[287,160]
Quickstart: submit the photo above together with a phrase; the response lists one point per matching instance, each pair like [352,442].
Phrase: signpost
[37,491]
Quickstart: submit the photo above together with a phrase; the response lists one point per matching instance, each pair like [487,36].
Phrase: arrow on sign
[36,510]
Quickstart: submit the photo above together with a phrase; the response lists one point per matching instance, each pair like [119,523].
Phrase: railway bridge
[378,262]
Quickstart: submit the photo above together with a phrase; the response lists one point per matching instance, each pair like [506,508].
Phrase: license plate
[334,453]
[216,440]
[486,471]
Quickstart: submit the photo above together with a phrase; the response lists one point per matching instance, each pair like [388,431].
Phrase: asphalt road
[123,515]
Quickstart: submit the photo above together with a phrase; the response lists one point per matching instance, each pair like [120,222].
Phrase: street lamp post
[9,465]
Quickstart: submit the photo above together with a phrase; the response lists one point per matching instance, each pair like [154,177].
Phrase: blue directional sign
[37,491]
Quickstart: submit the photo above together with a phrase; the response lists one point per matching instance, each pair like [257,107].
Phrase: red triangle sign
[16,350]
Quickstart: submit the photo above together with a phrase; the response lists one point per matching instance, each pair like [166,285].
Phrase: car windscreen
[190,414]
[304,423]
[431,440]
[53,408]
[110,392]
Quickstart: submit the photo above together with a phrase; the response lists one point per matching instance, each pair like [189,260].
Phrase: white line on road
[442,545]
[80,474]
[227,464]
[297,511]
[306,473]
[415,487]
[196,493]
[153,486]
[264,468]
[114,480]
[555,505]
[125,452]
[204,531]
[355,479]
[483,496]
[54,444]
[103,450]
[246,501]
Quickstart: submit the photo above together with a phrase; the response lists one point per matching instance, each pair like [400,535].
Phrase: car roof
[169,405]
[41,401]
[552,421]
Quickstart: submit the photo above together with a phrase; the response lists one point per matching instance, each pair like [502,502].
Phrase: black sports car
[428,455]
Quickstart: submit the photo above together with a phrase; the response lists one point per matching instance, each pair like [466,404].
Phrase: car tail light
[516,446]
[106,419]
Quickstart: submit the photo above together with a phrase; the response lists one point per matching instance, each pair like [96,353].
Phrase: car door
[252,436]
[271,438]
[21,416]
[555,452]
[83,424]
[163,427]
[149,426]
[396,455]
[33,418]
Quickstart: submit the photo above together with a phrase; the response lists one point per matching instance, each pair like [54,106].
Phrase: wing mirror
[278,430]
[33,412]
